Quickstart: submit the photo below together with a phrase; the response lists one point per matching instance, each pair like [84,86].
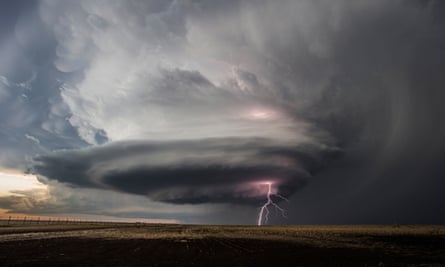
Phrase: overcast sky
[183,110]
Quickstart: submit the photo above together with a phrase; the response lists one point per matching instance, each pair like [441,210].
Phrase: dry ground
[199,245]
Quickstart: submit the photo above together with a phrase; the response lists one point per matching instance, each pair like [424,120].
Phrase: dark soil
[195,250]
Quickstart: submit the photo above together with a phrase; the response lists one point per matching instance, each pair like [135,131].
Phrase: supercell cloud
[205,171]
[200,102]
[204,135]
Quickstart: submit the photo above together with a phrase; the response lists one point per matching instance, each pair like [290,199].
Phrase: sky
[186,110]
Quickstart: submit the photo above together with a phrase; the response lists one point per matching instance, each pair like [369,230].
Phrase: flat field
[212,245]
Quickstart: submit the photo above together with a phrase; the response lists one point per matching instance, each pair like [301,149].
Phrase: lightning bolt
[263,215]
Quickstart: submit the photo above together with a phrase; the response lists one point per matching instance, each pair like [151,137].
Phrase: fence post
[24,220]
[9,220]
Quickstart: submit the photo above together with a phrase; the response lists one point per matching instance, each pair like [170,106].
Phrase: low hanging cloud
[228,170]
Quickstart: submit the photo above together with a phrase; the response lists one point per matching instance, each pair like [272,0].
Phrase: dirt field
[197,245]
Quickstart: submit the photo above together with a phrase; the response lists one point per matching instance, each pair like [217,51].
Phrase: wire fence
[25,220]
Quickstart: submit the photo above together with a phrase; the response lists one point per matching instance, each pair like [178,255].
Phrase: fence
[25,220]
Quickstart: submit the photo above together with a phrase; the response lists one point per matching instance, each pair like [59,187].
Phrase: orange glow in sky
[11,181]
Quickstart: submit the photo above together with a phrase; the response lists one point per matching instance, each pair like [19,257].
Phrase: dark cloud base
[228,170]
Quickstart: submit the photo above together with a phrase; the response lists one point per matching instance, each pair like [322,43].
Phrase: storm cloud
[338,102]
[204,171]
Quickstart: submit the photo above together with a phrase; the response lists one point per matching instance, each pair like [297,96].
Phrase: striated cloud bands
[229,170]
